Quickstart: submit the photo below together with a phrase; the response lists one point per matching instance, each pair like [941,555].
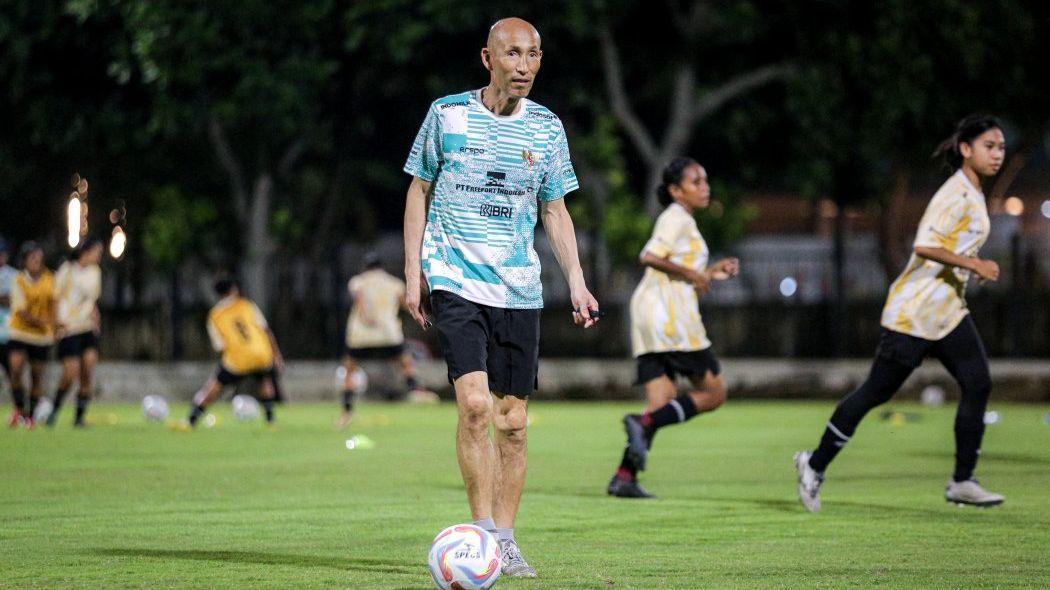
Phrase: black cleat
[621,488]
[637,450]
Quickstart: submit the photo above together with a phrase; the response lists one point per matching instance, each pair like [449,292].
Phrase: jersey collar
[476,95]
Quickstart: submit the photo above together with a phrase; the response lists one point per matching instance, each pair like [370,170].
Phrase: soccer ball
[154,408]
[359,381]
[44,407]
[245,408]
[464,557]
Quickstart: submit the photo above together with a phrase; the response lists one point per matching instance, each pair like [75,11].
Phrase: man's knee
[512,425]
[475,409]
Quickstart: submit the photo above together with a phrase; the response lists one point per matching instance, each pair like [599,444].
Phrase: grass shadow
[362,564]
[986,456]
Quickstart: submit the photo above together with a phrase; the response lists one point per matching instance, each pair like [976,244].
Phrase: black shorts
[382,353]
[35,352]
[227,377]
[505,343]
[911,350]
[5,360]
[693,363]
[77,344]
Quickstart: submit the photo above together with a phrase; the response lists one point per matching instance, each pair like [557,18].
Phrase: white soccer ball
[43,410]
[245,408]
[932,395]
[359,381]
[154,408]
[464,557]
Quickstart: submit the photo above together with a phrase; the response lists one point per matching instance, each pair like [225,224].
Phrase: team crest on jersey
[529,158]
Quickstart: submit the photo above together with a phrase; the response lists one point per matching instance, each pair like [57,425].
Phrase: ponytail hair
[672,174]
[969,129]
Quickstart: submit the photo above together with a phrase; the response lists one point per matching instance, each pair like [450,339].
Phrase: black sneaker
[621,488]
[637,450]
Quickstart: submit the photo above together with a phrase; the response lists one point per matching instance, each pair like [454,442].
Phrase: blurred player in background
[373,330]
[7,279]
[78,286]
[240,333]
[668,338]
[926,315]
[32,330]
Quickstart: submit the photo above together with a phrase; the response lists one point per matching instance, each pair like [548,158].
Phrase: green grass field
[132,505]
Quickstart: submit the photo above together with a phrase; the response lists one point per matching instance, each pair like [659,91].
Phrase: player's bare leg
[87,380]
[510,419]
[267,393]
[477,461]
[17,361]
[205,395]
[349,366]
[70,372]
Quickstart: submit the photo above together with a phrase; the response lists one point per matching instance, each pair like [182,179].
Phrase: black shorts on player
[34,352]
[505,343]
[5,360]
[77,344]
[227,377]
[688,364]
[377,353]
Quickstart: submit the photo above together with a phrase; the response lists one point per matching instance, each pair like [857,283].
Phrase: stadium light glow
[117,243]
[1014,206]
[1046,209]
[788,286]
[73,220]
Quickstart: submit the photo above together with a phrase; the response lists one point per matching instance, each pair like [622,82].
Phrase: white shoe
[514,565]
[808,482]
[970,492]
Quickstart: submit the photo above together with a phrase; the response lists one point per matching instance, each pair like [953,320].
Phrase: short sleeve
[559,178]
[18,297]
[942,223]
[661,244]
[214,335]
[260,319]
[424,160]
[6,279]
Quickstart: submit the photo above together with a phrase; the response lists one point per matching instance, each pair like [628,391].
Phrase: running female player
[78,285]
[668,338]
[32,329]
[926,315]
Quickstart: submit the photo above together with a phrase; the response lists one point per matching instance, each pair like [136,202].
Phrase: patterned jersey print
[665,311]
[928,299]
[488,175]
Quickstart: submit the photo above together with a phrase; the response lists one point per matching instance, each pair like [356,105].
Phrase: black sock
[196,413]
[33,401]
[627,470]
[267,405]
[83,399]
[831,443]
[60,396]
[348,400]
[680,409]
[412,383]
[19,398]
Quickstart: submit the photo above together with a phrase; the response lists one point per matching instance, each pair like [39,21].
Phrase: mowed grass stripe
[133,505]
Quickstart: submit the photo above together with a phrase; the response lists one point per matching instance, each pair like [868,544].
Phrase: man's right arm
[415,222]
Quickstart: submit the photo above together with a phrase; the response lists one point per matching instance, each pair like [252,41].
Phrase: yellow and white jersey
[77,290]
[239,331]
[665,311]
[928,299]
[374,319]
[38,299]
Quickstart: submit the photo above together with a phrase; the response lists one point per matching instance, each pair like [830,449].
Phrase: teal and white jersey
[489,174]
